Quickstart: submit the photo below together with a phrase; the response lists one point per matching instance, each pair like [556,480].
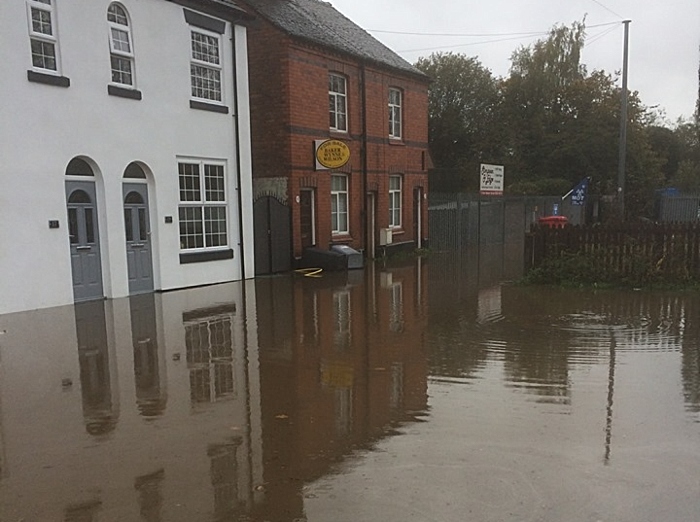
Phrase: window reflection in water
[343,411]
[396,307]
[341,314]
[149,488]
[223,469]
[396,395]
[209,345]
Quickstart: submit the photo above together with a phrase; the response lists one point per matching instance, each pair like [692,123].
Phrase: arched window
[133,198]
[78,167]
[134,171]
[120,46]
[79,196]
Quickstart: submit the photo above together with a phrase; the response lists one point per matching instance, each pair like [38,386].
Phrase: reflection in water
[209,346]
[151,397]
[297,381]
[690,351]
[224,477]
[84,512]
[99,409]
[149,488]
[355,373]
[611,399]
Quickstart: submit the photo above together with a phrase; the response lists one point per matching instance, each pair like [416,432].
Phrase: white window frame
[211,237]
[120,54]
[395,193]
[213,67]
[396,322]
[338,103]
[342,312]
[209,346]
[395,114]
[45,6]
[340,197]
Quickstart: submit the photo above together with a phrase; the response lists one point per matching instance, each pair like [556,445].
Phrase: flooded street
[422,392]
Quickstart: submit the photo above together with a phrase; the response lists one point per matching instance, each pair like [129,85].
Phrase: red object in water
[553,221]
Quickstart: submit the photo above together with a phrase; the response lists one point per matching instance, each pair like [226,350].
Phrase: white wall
[42,127]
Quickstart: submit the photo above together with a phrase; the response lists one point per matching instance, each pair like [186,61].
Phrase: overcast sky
[664,36]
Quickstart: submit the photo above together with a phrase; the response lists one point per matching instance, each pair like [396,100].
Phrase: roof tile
[319,22]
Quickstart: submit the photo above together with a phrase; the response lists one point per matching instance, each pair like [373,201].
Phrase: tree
[550,123]
[564,123]
[462,107]
[534,108]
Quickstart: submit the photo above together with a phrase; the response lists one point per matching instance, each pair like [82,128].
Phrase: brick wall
[289,105]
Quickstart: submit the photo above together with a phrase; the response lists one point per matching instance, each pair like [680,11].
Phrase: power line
[602,34]
[607,8]
[475,35]
[505,39]
[478,35]
[469,44]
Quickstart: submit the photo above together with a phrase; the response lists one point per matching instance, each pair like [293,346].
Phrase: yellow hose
[310,272]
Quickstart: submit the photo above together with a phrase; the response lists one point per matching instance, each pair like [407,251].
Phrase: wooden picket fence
[668,252]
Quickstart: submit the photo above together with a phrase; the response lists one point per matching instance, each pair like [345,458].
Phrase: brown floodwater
[428,391]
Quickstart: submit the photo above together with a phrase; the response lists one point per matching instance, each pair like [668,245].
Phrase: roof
[229,5]
[320,23]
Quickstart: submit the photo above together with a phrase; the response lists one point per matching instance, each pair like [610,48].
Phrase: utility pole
[623,126]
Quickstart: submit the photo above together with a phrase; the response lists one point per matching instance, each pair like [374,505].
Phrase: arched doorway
[138,231]
[83,230]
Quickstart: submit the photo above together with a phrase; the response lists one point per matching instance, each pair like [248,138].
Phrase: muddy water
[427,391]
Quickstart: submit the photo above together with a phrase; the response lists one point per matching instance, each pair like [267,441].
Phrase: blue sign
[578,194]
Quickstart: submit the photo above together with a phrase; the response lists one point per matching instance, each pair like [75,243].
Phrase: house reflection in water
[141,409]
[207,404]
[348,370]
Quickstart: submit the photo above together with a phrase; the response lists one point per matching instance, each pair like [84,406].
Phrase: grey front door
[83,231]
[138,238]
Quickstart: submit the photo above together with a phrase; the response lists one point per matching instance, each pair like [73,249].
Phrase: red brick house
[316,76]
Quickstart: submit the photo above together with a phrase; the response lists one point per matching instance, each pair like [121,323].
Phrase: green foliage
[687,178]
[550,123]
[553,186]
[637,268]
[462,103]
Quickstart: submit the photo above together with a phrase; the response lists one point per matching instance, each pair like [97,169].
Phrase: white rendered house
[124,148]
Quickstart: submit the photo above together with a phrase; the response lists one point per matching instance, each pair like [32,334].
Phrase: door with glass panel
[138,238]
[84,240]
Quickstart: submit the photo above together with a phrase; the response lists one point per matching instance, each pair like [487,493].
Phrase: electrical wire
[479,35]
[506,37]
[607,8]
[602,34]
[468,44]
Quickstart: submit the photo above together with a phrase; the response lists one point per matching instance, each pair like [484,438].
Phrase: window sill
[341,238]
[124,92]
[206,106]
[339,134]
[48,79]
[202,257]
[396,141]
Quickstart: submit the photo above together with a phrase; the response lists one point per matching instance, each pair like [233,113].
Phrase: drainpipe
[363,156]
[236,130]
